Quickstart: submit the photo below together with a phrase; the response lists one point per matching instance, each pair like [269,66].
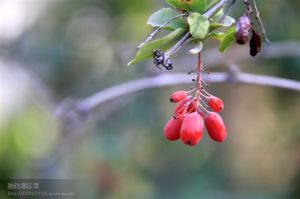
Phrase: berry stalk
[199,78]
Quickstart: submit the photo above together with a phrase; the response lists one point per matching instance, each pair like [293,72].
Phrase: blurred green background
[53,49]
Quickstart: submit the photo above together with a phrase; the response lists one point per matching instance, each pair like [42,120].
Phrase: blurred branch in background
[83,107]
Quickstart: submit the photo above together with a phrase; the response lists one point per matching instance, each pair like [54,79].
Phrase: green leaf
[199,25]
[217,35]
[164,43]
[189,5]
[228,21]
[229,37]
[162,16]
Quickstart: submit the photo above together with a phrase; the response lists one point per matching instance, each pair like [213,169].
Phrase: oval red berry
[178,96]
[215,127]
[215,103]
[172,129]
[181,108]
[191,129]
[192,106]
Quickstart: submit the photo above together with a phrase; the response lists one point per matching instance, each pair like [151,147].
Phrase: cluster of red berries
[190,117]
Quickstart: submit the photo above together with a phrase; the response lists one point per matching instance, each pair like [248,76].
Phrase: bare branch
[101,97]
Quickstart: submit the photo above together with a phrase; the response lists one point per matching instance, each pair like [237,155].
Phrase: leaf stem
[199,78]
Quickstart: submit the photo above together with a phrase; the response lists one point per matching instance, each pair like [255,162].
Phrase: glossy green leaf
[189,5]
[164,43]
[229,37]
[199,25]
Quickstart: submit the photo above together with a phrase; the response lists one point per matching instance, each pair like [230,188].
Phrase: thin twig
[150,37]
[215,8]
[248,6]
[258,18]
[178,45]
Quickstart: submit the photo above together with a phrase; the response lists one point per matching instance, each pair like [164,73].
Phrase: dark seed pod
[255,43]
[243,26]
[160,59]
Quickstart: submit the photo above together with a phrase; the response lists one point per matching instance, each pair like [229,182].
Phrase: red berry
[192,106]
[172,129]
[191,129]
[181,108]
[215,126]
[178,96]
[215,103]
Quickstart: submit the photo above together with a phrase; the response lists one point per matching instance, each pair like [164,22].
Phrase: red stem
[199,84]
[199,78]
